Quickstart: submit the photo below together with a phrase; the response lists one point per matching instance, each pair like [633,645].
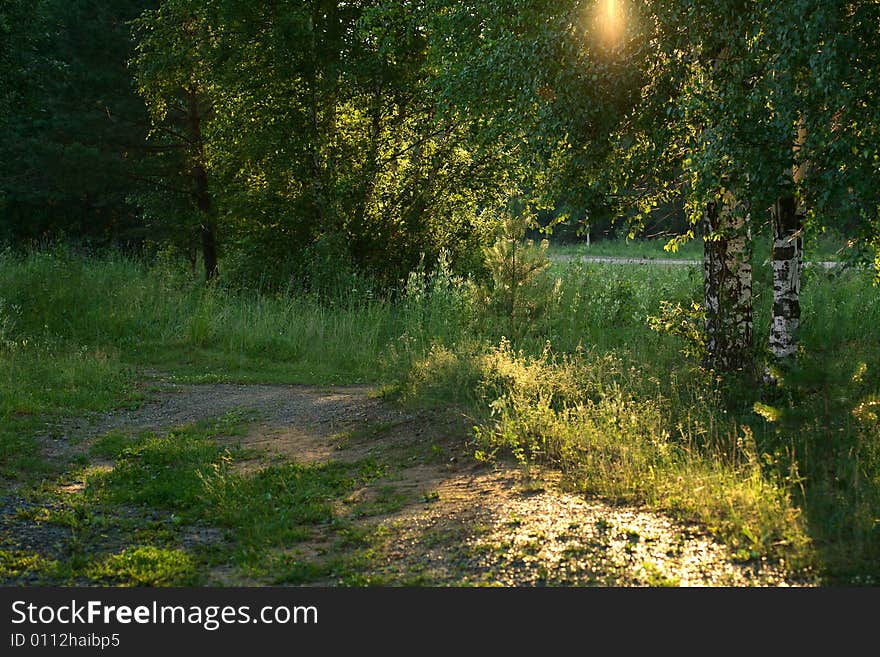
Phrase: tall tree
[693,99]
[742,101]
[810,94]
[787,262]
[173,75]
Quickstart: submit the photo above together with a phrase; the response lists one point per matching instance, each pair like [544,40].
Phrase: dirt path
[456,521]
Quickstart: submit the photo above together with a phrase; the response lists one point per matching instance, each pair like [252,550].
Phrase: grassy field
[576,380]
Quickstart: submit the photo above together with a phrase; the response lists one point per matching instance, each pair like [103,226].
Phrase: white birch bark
[788,264]
[727,275]
[787,268]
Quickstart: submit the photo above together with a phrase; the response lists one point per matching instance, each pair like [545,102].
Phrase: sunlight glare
[610,20]
[611,10]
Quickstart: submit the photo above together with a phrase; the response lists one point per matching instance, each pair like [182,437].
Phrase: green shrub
[519,289]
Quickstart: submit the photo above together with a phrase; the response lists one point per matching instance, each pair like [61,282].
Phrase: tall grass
[575,414]
[56,301]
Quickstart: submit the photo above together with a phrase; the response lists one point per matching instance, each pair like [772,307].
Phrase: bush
[519,289]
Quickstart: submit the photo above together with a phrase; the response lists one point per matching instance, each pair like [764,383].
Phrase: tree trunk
[201,193]
[209,251]
[787,266]
[727,277]
[788,262]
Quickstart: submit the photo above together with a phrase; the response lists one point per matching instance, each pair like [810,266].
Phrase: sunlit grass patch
[579,414]
[112,444]
[18,563]
[144,566]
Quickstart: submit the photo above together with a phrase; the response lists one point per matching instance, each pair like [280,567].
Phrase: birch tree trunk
[787,266]
[727,276]
[788,263]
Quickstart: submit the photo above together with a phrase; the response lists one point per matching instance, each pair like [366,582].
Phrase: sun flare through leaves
[610,21]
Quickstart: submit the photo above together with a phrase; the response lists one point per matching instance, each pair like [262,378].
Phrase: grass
[144,566]
[155,318]
[618,408]
[825,247]
[583,384]
[577,413]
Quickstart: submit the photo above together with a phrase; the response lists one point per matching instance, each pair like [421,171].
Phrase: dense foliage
[319,136]
[292,142]
[72,145]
